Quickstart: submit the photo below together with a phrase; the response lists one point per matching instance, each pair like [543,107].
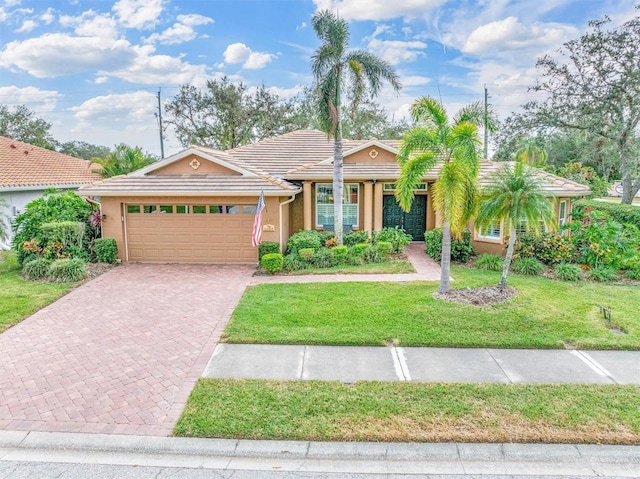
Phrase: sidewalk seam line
[500,366]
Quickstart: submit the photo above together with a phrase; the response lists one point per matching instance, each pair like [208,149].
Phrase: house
[199,204]
[27,171]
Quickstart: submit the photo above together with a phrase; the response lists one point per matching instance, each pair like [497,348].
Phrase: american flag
[256,237]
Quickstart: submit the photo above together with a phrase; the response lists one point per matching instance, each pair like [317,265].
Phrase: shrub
[568,272]
[355,237]
[372,254]
[356,254]
[293,262]
[265,247]
[359,249]
[106,250]
[331,243]
[633,273]
[52,207]
[323,258]
[528,266]
[340,252]
[36,269]
[67,270]
[603,274]
[396,236]
[306,254]
[304,239]
[272,262]
[490,262]
[385,248]
[327,236]
[600,241]
[461,249]
[68,233]
[620,213]
[550,248]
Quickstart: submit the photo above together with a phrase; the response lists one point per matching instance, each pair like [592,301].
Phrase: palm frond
[415,141]
[429,112]
[411,174]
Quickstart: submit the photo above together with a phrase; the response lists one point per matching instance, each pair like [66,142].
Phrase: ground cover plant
[545,313]
[425,412]
[20,298]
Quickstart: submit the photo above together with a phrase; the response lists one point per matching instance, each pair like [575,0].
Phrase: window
[522,228]
[249,209]
[233,210]
[491,231]
[562,213]
[133,208]
[324,204]
[392,187]
[166,209]
[149,208]
[199,209]
[215,209]
[182,209]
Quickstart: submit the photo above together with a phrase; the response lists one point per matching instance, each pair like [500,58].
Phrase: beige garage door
[190,233]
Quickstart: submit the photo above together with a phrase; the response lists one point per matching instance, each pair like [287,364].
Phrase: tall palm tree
[336,69]
[517,199]
[121,161]
[455,144]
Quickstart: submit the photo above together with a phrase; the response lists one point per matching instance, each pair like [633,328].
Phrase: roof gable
[373,148]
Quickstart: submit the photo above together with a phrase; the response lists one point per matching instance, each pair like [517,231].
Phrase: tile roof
[23,165]
[188,185]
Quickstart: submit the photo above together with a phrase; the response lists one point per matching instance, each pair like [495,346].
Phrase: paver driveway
[119,354]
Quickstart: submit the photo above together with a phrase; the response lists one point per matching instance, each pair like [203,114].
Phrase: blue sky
[93,68]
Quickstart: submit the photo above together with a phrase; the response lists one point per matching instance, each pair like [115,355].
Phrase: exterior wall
[183,167]
[113,225]
[296,215]
[372,154]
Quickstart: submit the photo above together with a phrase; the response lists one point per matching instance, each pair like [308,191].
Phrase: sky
[93,68]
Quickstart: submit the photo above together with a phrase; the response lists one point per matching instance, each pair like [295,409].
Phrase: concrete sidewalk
[462,459]
[350,364]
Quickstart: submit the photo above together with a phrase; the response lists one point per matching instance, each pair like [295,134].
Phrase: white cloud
[4,16]
[394,51]
[301,26]
[101,80]
[34,98]
[181,31]
[12,3]
[284,93]
[379,9]
[240,53]
[138,14]
[510,34]
[92,24]
[27,26]
[409,81]
[136,106]
[48,16]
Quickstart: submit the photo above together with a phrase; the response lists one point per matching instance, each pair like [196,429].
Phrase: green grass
[544,314]
[20,298]
[375,411]
[387,267]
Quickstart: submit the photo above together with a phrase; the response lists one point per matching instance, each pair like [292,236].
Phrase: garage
[190,233]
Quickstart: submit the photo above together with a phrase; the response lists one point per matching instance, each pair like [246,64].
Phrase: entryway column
[368,206]
[377,206]
[306,199]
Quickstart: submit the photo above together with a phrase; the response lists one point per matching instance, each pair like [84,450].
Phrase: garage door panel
[189,237]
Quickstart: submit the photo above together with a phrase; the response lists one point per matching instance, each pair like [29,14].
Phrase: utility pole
[486,123]
[160,125]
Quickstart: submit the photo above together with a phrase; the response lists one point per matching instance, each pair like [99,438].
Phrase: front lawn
[20,298]
[375,411]
[545,314]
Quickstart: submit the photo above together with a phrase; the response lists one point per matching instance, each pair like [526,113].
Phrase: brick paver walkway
[119,354]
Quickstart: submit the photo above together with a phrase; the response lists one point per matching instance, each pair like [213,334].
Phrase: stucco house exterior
[199,204]
[27,171]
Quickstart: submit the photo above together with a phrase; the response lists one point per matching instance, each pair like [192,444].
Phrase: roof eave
[43,187]
[195,194]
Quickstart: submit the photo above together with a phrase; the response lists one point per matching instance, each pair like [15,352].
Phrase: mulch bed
[482,296]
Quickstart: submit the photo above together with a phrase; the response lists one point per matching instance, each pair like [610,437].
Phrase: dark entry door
[414,222]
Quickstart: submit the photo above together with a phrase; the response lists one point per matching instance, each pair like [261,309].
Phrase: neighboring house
[199,205]
[27,171]
[616,189]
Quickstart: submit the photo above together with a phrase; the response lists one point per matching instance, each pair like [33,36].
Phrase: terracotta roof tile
[23,165]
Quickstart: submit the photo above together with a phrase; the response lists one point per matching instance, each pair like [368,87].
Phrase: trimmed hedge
[272,262]
[267,247]
[621,213]
[304,239]
[461,249]
[106,250]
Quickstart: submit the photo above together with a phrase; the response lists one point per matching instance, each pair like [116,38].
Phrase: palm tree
[121,161]
[517,199]
[336,69]
[532,153]
[456,192]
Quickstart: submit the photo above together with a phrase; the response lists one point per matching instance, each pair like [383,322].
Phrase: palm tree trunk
[338,177]
[508,257]
[445,261]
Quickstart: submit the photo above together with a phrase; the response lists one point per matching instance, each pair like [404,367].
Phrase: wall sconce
[104,217]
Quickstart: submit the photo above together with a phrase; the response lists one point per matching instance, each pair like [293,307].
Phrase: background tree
[516,198]
[226,115]
[340,72]
[84,150]
[597,89]
[122,160]
[22,124]
[455,144]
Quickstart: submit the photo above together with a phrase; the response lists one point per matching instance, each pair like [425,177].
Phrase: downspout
[280,222]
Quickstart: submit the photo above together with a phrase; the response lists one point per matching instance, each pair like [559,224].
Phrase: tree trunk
[338,185]
[508,257]
[445,260]
[629,189]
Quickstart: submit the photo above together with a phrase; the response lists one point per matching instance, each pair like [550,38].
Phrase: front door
[414,222]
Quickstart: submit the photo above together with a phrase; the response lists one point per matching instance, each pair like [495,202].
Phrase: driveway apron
[119,354]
